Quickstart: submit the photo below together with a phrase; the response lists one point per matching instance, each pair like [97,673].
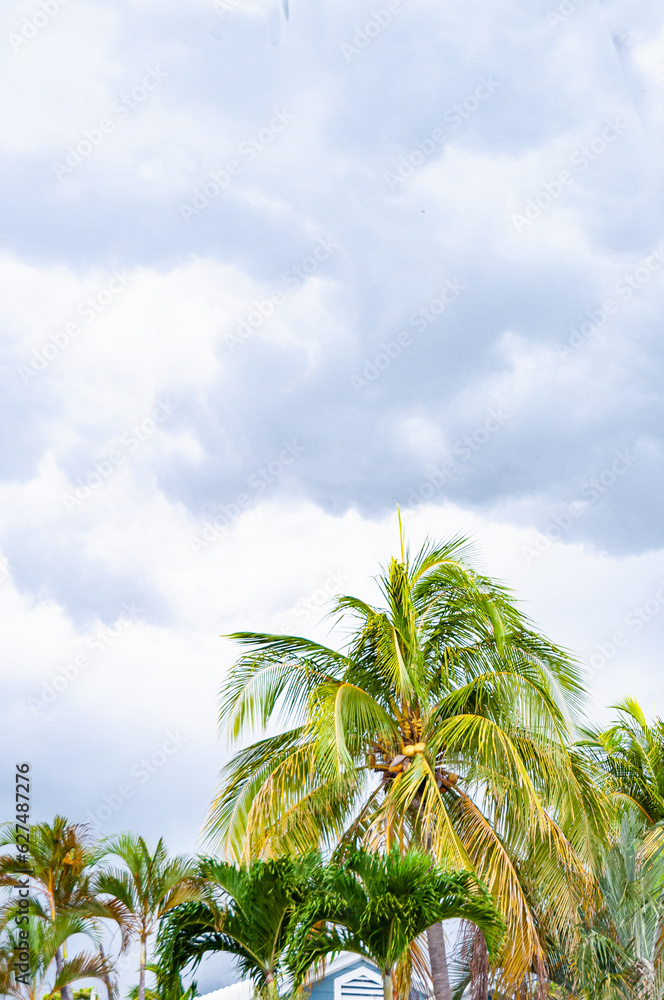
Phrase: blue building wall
[324,988]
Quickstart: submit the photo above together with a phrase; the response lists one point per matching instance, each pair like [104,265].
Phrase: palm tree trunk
[141,976]
[61,953]
[271,983]
[438,959]
[107,980]
[65,991]
[387,985]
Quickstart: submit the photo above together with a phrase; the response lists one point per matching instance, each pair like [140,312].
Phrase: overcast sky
[262,279]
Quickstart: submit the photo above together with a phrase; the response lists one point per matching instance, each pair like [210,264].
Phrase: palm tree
[62,861]
[149,885]
[620,951]
[378,905]
[631,753]
[633,889]
[46,942]
[597,968]
[248,912]
[446,721]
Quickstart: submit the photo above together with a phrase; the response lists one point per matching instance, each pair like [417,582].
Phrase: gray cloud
[449,218]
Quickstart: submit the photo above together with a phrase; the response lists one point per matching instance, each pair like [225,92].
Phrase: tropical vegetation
[282,917]
[44,970]
[446,721]
[433,762]
[146,887]
[248,911]
[378,905]
[62,901]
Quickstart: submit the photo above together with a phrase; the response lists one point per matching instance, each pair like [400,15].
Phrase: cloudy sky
[263,278]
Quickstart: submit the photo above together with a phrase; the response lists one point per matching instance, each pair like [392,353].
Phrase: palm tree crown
[446,721]
[377,905]
[149,885]
[248,912]
[631,754]
[63,862]
[46,943]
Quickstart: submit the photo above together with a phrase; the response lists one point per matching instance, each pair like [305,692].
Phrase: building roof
[243,990]
[345,959]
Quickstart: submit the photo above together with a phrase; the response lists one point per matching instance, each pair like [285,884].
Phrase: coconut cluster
[390,767]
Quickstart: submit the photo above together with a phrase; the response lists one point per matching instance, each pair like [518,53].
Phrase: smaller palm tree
[47,971]
[596,969]
[248,912]
[62,861]
[146,888]
[619,951]
[631,753]
[377,905]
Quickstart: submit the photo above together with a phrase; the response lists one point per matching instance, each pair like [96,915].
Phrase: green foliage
[281,916]
[85,993]
[631,754]
[149,883]
[147,887]
[165,989]
[247,912]
[377,905]
[441,738]
[618,952]
[46,974]
[62,861]
[62,858]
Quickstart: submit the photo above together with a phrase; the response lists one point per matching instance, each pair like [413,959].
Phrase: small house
[347,977]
